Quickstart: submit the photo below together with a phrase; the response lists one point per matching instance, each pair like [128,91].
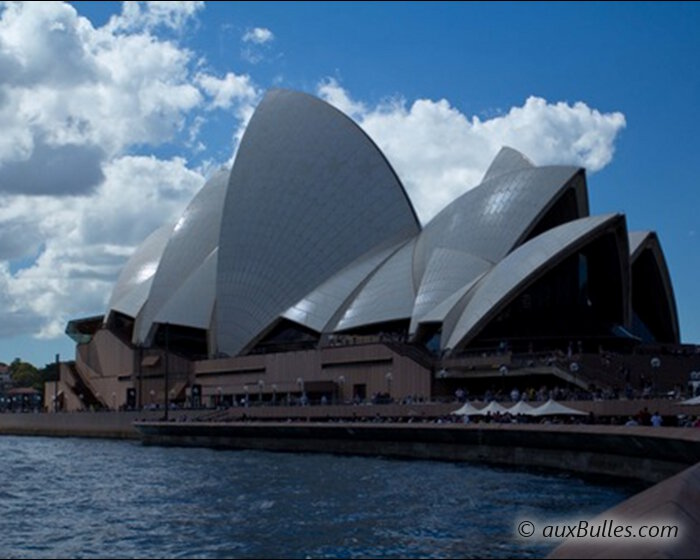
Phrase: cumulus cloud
[228,90]
[257,43]
[150,15]
[70,168]
[78,104]
[84,91]
[331,91]
[440,153]
[258,35]
[87,239]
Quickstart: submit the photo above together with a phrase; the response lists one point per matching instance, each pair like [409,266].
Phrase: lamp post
[655,363]
[341,388]
[55,383]
[573,368]
[694,383]
[166,392]
[300,383]
[504,371]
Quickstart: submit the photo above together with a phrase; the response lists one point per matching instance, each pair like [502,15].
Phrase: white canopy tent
[694,400]
[467,410]
[493,408]
[521,408]
[553,408]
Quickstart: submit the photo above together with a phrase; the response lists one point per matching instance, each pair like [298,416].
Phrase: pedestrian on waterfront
[644,417]
[656,420]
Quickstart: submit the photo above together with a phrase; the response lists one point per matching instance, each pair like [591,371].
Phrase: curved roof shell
[653,300]
[192,303]
[193,239]
[313,226]
[309,194]
[506,161]
[318,309]
[131,291]
[486,223]
[387,295]
[520,268]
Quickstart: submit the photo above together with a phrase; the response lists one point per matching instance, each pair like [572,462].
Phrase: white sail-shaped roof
[637,240]
[520,267]
[317,309]
[193,302]
[665,318]
[312,226]
[134,283]
[309,194]
[448,270]
[506,161]
[387,296]
[483,226]
[194,237]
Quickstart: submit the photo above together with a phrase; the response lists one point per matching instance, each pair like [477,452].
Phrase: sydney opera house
[304,271]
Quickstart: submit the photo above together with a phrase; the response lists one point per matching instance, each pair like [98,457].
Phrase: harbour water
[83,498]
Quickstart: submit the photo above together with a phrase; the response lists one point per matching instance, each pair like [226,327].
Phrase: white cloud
[87,239]
[75,102]
[333,93]
[71,85]
[257,44]
[228,90]
[440,153]
[258,35]
[150,15]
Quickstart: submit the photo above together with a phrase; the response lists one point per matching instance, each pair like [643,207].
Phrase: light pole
[655,363]
[573,368]
[300,383]
[694,383]
[166,392]
[55,383]
[341,389]
[504,371]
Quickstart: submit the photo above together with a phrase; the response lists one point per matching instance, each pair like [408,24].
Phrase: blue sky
[113,116]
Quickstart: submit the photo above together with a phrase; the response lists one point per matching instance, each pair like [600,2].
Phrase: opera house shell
[310,243]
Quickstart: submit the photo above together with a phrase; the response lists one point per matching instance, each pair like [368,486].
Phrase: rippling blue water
[79,498]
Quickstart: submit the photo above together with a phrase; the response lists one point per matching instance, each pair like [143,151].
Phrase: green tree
[24,374]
